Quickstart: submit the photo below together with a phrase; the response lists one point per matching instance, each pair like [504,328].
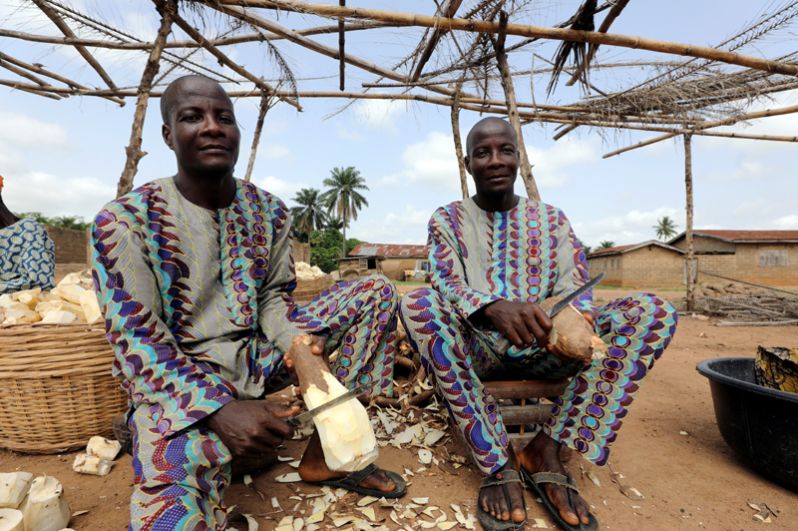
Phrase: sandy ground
[688,481]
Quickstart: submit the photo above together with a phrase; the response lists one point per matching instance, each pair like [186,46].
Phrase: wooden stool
[529,410]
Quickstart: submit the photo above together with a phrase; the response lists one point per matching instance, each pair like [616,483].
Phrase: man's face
[202,129]
[493,158]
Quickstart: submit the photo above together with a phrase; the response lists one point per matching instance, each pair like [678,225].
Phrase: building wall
[773,264]
[71,246]
[610,266]
[652,267]
[394,268]
[300,251]
[703,245]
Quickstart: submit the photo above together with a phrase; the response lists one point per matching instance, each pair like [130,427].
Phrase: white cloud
[35,192]
[787,222]
[551,166]
[633,227]
[20,131]
[409,226]
[746,170]
[285,190]
[379,114]
[431,162]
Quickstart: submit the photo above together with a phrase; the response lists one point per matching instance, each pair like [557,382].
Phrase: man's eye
[190,117]
[227,119]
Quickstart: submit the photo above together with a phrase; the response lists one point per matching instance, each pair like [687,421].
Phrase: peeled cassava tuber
[45,509]
[13,488]
[11,520]
[346,435]
[103,448]
[91,464]
[573,336]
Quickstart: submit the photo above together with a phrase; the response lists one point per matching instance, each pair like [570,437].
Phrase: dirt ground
[689,481]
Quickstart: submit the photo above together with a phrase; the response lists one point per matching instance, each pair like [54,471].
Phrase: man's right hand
[252,427]
[522,323]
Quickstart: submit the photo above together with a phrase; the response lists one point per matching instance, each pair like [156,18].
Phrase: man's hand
[317,348]
[252,427]
[522,323]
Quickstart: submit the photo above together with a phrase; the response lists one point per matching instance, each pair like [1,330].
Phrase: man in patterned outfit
[494,257]
[195,275]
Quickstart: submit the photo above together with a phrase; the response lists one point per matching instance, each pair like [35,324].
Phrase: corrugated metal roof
[390,250]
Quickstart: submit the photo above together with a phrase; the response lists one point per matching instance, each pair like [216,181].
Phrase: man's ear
[166,133]
[467,161]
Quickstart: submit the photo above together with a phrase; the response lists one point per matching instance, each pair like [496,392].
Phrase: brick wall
[754,263]
[300,251]
[610,266]
[652,267]
[70,245]
[394,268]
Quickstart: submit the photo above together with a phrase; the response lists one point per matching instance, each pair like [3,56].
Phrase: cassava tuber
[11,520]
[103,448]
[91,464]
[13,488]
[45,509]
[573,335]
[347,437]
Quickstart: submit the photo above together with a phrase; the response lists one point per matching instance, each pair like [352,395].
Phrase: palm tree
[343,196]
[665,227]
[309,213]
[606,244]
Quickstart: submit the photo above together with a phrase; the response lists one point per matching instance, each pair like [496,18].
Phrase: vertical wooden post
[692,267]
[168,10]
[458,146]
[512,108]
[265,105]
[341,49]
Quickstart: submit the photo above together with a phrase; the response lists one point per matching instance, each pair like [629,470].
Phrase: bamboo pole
[266,103]
[692,267]
[341,50]
[512,109]
[448,11]
[708,125]
[458,146]
[232,65]
[561,34]
[168,11]
[227,41]
[52,15]
[38,91]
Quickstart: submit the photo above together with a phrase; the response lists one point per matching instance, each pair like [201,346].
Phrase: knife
[305,417]
[568,299]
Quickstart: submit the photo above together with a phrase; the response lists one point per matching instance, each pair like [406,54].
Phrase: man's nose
[495,159]
[212,126]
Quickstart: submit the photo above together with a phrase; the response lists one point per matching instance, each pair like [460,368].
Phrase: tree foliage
[64,222]
[665,228]
[343,198]
[308,214]
[325,248]
[606,244]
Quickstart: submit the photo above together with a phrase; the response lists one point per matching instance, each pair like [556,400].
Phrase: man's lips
[215,148]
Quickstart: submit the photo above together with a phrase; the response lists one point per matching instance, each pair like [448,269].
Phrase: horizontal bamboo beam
[521,30]
[226,41]
[708,125]
[448,11]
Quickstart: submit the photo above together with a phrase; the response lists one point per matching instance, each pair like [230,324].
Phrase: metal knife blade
[306,416]
[568,299]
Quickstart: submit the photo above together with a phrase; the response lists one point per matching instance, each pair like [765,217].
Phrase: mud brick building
[393,261]
[761,256]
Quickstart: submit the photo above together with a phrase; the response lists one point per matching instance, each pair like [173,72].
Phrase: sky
[65,157]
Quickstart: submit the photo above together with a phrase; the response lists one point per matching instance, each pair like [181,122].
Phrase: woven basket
[307,289]
[56,388]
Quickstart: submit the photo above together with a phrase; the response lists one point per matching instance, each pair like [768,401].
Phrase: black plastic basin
[760,424]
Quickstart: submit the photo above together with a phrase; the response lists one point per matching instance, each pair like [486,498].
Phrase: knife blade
[568,299]
[306,416]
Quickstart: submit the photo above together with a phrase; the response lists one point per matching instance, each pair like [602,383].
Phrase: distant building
[396,262]
[760,256]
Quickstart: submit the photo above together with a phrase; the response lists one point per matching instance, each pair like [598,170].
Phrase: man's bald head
[489,126]
[187,86]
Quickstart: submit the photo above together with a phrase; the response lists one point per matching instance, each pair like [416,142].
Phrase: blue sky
[64,157]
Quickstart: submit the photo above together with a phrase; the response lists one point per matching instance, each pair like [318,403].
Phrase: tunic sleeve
[571,265]
[275,299]
[448,271]
[178,389]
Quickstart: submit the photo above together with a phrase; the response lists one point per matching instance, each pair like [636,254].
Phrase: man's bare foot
[494,502]
[313,469]
[542,455]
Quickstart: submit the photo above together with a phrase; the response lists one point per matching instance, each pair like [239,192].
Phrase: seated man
[27,254]
[194,274]
[494,257]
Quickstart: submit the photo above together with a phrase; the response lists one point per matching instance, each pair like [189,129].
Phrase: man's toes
[559,498]
[518,513]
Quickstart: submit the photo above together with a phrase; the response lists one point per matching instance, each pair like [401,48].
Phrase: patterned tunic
[528,253]
[27,257]
[199,311]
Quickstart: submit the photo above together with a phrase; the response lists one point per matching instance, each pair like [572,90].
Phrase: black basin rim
[704,368]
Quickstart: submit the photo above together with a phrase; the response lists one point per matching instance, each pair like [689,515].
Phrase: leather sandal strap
[555,478]
[508,476]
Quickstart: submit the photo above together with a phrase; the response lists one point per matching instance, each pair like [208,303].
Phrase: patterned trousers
[178,482]
[587,416]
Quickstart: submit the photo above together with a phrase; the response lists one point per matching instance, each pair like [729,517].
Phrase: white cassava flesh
[45,509]
[347,437]
[11,520]
[91,464]
[103,448]
[13,488]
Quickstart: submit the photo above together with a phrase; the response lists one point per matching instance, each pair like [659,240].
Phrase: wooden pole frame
[691,267]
